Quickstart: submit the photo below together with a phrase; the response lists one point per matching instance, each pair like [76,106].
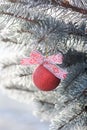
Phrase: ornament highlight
[47,75]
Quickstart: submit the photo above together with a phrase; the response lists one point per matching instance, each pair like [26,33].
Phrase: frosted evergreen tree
[61,25]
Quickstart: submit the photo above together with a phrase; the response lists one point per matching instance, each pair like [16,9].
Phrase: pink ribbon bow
[48,62]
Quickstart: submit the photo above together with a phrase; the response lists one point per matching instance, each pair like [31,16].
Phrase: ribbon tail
[56,70]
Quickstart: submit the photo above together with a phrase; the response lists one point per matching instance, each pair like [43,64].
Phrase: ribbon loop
[48,62]
[55,59]
[56,70]
[35,58]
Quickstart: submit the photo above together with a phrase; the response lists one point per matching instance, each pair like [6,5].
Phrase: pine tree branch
[20,17]
[74,117]
[38,22]
[25,31]
[45,102]
[66,4]
[20,89]
[73,79]
[76,97]
[63,3]
[8,40]
[23,75]
[85,92]
[9,65]
[77,9]
[13,1]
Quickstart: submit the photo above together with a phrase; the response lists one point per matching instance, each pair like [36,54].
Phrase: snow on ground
[18,116]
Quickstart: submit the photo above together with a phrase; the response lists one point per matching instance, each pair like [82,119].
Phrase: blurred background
[18,116]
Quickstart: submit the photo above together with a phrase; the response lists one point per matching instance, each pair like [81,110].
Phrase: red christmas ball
[44,79]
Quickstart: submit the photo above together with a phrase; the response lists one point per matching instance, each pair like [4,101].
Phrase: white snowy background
[18,116]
